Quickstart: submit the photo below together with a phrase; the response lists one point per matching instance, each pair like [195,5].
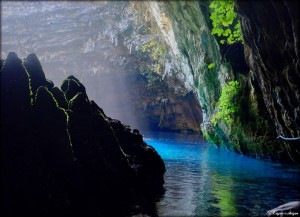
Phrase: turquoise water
[202,180]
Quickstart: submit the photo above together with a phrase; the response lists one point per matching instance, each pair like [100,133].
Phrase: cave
[150,108]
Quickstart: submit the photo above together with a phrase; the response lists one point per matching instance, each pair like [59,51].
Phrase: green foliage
[212,65]
[225,22]
[228,103]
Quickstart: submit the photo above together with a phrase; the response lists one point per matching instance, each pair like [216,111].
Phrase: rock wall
[271,34]
[268,102]
[61,155]
[270,53]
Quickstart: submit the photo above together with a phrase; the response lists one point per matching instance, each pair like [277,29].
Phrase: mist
[68,39]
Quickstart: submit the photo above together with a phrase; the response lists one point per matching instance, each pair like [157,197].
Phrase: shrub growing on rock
[228,102]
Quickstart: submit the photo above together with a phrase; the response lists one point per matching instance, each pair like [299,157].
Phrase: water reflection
[223,192]
[202,180]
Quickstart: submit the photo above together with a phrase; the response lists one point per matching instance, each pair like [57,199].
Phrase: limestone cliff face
[183,28]
[183,31]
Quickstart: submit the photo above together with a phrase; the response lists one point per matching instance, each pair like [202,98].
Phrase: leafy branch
[225,22]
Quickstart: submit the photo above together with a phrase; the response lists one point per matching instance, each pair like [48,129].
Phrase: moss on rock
[59,97]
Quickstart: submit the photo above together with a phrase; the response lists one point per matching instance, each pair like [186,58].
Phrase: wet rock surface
[272,54]
[61,155]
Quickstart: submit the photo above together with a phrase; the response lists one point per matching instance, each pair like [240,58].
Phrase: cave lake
[203,180]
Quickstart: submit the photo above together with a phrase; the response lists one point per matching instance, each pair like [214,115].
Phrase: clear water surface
[203,180]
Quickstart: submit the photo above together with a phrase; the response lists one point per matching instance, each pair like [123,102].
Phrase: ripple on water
[202,180]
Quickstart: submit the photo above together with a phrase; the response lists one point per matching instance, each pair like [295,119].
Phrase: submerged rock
[64,156]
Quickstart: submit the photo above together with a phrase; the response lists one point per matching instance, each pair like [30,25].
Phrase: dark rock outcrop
[61,155]
[271,34]
[36,73]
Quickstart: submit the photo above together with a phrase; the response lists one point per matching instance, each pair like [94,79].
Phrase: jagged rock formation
[61,155]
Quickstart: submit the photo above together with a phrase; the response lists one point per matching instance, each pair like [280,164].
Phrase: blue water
[203,180]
